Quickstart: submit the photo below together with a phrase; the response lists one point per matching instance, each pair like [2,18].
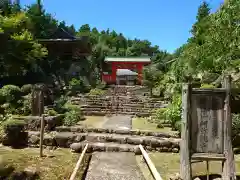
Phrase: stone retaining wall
[34,122]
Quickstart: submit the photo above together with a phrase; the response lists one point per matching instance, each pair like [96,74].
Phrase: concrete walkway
[118,122]
[114,166]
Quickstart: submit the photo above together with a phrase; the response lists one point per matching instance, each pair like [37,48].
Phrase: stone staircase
[100,139]
[119,103]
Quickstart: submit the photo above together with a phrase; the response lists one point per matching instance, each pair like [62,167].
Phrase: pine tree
[200,26]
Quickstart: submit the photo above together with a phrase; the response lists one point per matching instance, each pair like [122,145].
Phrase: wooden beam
[151,166]
[208,156]
[228,165]
[78,163]
[41,136]
[185,160]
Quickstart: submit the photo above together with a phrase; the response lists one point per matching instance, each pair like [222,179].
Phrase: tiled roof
[127,59]
[126,72]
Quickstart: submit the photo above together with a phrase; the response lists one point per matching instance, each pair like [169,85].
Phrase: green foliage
[77,86]
[96,92]
[174,111]
[13,125]
[59,105]
[70,107]
[27,88]
[236,129]
[160,114]
[14,131]
[10,93]
[207,86]
[72,117]
[52,112]
[151,77]
[23,52]
[101,85]
[26,107]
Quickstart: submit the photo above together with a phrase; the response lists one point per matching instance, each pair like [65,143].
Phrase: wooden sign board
[207,121]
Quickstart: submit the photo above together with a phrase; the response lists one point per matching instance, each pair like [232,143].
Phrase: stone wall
[34,122]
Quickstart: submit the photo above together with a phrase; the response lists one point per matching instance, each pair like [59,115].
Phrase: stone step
[115,104]
[108,147]
[65,139]
[119,109]
[104,113]
[151,141]
[81,129]
[115,147]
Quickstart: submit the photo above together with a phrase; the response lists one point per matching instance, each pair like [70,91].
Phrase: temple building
[125,70]
[62,43]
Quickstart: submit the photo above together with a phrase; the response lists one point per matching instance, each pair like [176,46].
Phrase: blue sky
[164,23]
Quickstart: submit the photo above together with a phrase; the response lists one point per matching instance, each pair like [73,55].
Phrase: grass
[144,124]
[168,164]
[93,121]
[58,166]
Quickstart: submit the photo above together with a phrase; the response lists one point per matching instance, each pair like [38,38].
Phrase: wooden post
[78,163]
[228,164]
[185,161]
[207,162]
[41,136]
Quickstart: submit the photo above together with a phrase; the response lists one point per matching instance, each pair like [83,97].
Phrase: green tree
[23,53]
[151,78]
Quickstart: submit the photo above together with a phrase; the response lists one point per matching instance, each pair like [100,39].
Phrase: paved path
[114,166]
[118,122]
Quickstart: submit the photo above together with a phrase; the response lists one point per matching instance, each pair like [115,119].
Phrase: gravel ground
[118,122]
[114,166]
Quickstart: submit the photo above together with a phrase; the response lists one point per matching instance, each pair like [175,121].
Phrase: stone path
[114,166]
[118,122]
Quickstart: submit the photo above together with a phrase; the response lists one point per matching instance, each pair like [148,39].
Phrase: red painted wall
[111,78]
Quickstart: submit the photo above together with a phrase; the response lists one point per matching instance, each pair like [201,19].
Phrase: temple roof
[62,35]
[62,38]
[126,72]
[127,59]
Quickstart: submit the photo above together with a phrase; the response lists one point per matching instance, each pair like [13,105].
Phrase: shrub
[76,86]
[236,129]
[14,130]
[11,125]
[207,86]
[96,92]
[1,132]
[70,107]
[52,112]
[160,114]
[160,126]
[177,126]
[102,85]
[26,107]
[174,110]
[72,118]
[59,105]
[10,93]
[27,88]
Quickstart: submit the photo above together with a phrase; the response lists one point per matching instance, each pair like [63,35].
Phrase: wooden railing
[151,166]
[78,163]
